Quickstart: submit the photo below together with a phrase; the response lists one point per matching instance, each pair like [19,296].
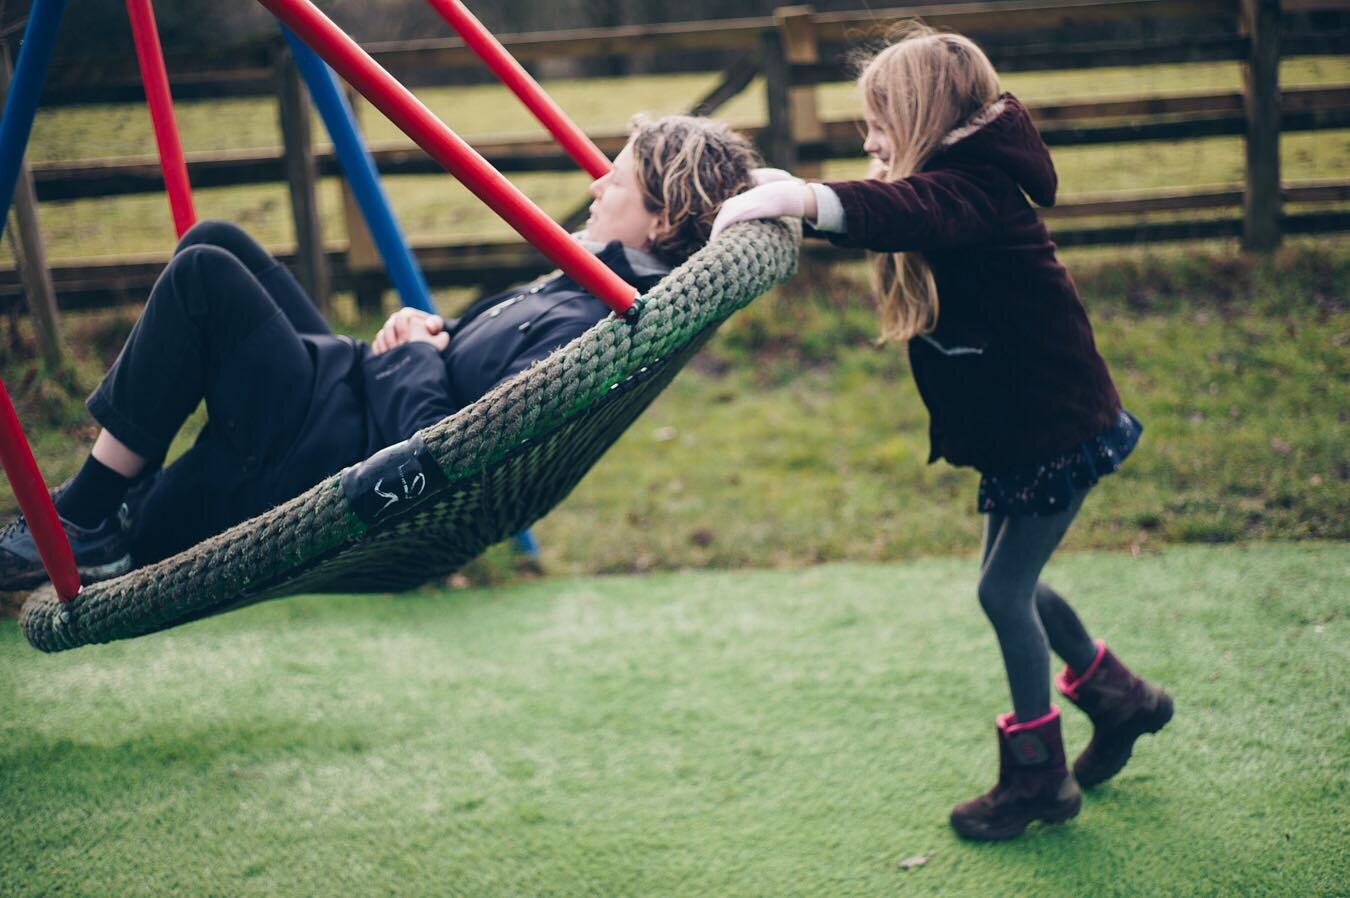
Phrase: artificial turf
[795,732]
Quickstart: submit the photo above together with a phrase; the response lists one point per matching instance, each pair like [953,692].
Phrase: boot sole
[1160,717]
[1058,814]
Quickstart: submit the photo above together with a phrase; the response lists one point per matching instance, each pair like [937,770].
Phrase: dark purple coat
[1011,376]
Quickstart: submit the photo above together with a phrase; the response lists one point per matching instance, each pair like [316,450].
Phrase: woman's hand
[774,199]
[410,326]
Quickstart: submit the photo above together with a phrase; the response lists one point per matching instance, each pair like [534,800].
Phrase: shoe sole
[88,574]
[1161,716]
[1058,814]
[24,584]
[105,571]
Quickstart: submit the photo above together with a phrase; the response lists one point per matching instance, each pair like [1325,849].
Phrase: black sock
[93,496]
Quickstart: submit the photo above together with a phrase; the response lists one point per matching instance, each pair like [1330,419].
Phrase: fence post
[800,47]
[302,177]
[33,269]
[1261,100]
[778,147]
[365,266]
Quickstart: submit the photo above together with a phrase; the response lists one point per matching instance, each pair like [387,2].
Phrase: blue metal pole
[525,543]
[35,54]
[361,174]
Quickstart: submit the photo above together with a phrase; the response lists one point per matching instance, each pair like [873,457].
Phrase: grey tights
[1029,617]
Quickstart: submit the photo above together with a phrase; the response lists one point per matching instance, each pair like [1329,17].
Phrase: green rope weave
[509,458]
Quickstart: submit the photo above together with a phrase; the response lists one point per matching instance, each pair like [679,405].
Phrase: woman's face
[618,212]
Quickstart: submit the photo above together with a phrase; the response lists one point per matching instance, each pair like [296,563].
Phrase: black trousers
[222,324]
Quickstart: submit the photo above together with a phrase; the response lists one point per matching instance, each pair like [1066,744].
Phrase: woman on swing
[290,403]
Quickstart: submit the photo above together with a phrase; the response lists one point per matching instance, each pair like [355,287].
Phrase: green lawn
[798,716]
[743,733]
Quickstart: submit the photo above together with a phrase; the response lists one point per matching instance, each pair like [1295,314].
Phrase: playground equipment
[478,476]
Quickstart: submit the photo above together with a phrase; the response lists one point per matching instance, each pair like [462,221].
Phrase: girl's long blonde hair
[919,89]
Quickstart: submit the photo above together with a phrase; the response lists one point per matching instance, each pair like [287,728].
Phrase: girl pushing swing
[1004,359]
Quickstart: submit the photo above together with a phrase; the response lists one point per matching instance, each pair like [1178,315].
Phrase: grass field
[796,690]
[744,733]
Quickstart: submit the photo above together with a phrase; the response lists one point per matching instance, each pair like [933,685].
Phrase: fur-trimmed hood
[1003,135]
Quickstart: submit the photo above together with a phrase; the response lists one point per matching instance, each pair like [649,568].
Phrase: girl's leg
[1068,637]
[1014,556]
[993,523]
[276,278]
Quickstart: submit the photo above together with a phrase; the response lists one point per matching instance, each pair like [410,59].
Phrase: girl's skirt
[1046,488]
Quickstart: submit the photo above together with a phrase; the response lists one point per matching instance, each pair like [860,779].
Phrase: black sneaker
[100,553]
[129,512]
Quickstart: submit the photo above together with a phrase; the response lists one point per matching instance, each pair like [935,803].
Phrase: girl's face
[876,144]
[619,211]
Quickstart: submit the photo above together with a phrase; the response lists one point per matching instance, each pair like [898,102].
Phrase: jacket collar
[645,275]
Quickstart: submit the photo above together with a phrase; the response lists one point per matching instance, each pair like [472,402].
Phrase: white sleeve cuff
[829,210]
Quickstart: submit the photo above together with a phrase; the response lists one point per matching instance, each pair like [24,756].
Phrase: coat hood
[1003,135]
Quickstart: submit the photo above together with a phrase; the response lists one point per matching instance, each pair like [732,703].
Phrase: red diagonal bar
[522,84]
[157,97]
[446,147]
[35,502]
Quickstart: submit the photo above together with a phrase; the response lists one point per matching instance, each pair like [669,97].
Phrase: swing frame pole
[385,92]
[362,175]
[16,124]
[511,73]
[155,78]
[36,503]
[21,100]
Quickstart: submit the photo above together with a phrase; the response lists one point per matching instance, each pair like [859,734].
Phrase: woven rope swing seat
[423,508]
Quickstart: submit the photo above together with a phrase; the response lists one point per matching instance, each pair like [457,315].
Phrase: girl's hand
[775,199]
[410,326]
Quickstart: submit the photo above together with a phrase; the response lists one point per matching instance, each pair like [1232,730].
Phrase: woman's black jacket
[363,402]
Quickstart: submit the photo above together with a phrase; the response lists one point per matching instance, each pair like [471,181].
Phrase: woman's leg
[206,312]
[275,277]
[205,304]
[1015,554]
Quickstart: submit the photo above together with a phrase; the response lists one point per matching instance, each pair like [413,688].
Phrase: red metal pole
[157,97]
[513,75]
[446,147]
[36,502]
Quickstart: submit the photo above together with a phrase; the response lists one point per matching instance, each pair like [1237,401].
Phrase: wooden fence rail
[794,51]
[1062,124]
[496,264]
[425,63]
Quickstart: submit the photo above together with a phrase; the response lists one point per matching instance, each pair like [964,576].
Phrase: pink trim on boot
[1069,681]
[1008,725]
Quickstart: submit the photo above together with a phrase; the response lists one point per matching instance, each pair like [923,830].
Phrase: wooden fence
[795,50]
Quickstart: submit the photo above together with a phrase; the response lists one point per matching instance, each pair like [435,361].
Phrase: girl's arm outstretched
[944,209]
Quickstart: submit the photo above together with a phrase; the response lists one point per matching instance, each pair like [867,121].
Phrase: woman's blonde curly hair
[686,168]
